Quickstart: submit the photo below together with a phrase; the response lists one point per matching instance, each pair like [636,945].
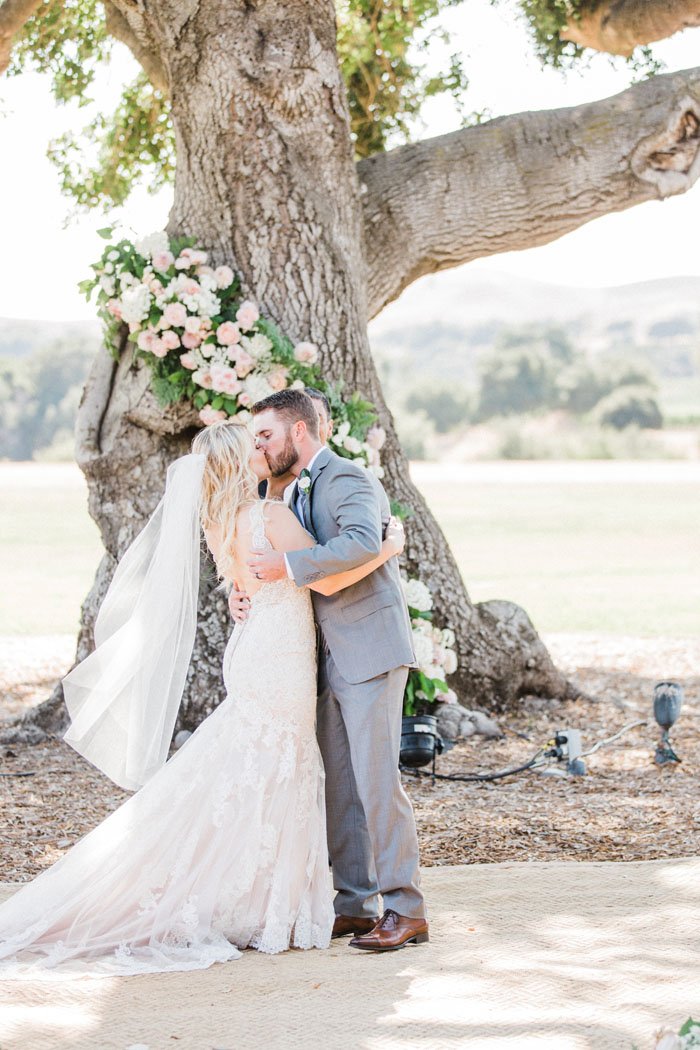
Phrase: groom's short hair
[291,405]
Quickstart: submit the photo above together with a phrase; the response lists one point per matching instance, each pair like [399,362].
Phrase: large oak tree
[274,116]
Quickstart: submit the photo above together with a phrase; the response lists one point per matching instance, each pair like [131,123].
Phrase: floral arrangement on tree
[435,654]
[205,344]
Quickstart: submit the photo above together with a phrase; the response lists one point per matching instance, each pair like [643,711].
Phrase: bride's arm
[286,534]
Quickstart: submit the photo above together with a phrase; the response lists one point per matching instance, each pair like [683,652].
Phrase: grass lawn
[588,548]
[579,552]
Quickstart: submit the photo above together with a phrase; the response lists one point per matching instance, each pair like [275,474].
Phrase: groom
[364,656]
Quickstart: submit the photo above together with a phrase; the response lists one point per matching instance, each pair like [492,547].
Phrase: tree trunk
[266,182]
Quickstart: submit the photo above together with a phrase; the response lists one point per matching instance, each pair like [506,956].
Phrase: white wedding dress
[224,848]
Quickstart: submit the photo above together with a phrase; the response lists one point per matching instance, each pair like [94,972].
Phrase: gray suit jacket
[366,626]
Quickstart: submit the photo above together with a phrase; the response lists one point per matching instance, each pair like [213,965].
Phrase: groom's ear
[299,430]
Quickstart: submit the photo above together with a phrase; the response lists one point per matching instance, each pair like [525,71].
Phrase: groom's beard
[284,462]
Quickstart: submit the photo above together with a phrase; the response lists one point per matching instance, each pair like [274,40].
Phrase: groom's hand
[268,567]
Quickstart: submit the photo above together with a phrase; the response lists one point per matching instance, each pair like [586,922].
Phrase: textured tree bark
[618,26]
[524,180]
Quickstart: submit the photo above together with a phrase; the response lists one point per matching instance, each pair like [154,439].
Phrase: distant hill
[441,324]
[22,338]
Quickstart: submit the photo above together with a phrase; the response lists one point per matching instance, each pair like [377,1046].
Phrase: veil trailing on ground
[124,697]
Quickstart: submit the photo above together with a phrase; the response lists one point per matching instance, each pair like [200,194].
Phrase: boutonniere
[305,481]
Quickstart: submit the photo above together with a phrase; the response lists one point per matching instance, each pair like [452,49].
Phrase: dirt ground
[624,808]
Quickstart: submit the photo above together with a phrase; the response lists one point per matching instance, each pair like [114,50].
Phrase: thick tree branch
[618,26]
[131,29]
[13,15]
[524,180]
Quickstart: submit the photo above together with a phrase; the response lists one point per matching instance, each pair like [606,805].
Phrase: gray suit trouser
[371,828]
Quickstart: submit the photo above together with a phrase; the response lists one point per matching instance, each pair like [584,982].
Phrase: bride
[224,847]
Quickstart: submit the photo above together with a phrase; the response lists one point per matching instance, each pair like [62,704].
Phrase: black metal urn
[420,740]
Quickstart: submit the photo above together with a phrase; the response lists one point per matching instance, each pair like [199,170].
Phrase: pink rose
[191,287]
[278,379]
[170,339]
[244,363]
[245,399]
[205,271]
[209,415]
[187,361]
[223,276]
[191,341]
[202,378]
[376,436]
[175,315]
[306,353]
[162,261]
[228,333]
[158,349]
[147,339]
[247,314]
[115,308]
[224,380]
[193,325]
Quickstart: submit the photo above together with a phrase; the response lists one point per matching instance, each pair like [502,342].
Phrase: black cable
[476,776]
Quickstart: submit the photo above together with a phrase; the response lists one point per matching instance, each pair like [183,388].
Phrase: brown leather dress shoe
[347,924]
[393,931]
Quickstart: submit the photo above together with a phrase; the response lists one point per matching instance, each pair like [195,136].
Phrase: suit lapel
[322,460]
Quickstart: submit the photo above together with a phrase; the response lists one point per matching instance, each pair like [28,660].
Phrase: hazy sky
[43,260]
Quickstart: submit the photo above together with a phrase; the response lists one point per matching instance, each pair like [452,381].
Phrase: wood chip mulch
[624,809]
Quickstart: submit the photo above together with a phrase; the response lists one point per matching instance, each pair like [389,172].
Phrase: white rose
[113,256]
[418,596]
[306,353]
[450,663]
[136,302]
[448,637]
[341,433]
[155,242]
[297,385]
[109,267]
[224,276]
[352,445]
[108,286]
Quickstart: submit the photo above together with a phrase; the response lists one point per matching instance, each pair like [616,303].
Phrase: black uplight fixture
[668,700]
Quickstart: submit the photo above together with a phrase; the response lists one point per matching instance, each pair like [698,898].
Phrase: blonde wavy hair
[228,482]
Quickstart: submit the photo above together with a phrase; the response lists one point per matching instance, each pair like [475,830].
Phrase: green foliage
[547,18]
[519,375]
[444,405]
[101,164]
[381,44]
[630,406]
[378,43]
[67,39]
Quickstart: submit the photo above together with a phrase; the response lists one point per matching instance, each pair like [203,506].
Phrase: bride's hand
[396,535]
[239,604]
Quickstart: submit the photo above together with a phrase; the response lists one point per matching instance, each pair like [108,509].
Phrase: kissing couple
[226,846]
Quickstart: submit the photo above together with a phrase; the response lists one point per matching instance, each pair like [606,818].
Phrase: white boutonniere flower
[305,481]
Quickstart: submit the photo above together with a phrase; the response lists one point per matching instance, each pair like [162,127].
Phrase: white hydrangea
[418,596]
[258,346]
[108,285]
[135,304]
[257,387]
[153,243]
[423,648]
[341,433]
